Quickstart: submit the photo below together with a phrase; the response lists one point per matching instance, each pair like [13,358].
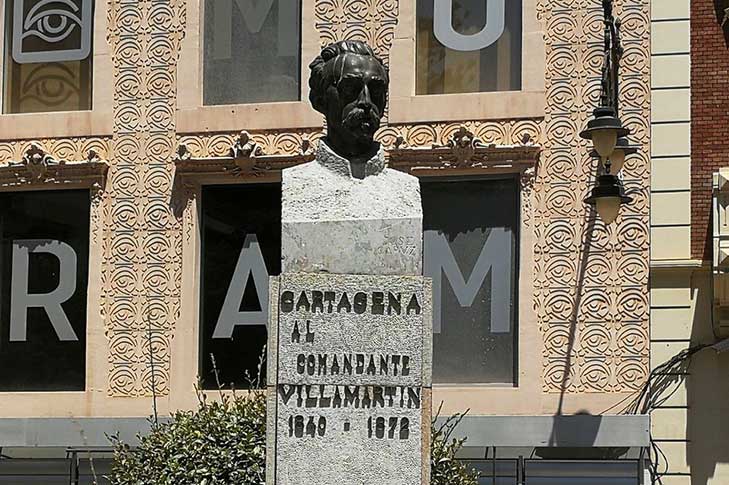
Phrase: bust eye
[377,89]
[51,24]
[347,88]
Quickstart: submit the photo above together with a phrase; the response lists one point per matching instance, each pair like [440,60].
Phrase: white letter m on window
[495,257]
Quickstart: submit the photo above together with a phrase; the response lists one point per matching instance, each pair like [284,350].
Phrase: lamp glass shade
[608,208]
[617,160]
[605,140]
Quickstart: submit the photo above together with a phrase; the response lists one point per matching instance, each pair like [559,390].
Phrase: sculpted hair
[323,68]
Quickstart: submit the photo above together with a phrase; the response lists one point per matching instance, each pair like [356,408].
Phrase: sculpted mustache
[357,115]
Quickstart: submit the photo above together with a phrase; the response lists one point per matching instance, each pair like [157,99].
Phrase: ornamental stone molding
[38,168]
[463,150]
[245,157]
[59,148]
[205,157]
[501,133]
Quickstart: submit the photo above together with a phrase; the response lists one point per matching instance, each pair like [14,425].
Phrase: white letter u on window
[491,32]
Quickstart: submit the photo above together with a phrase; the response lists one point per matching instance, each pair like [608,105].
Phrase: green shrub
[444,468]
[221,443]
[224,443]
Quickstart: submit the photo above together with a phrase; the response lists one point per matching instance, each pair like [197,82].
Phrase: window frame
[97,121]
[522,397]
[407,107]
[484,399]
[87,368]
[193,116]
[92,178]
[199,288]
[193,285]
[186,351]
[95,370]
[510,176]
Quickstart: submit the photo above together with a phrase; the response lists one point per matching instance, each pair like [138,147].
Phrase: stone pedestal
[349,380]
[334,223]
[350,331]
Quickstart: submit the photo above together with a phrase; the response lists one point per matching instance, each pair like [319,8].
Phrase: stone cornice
[38,169]
[463,150]
[245,158]
[248,158]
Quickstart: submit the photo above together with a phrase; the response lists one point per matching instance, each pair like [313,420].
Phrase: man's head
[349,86]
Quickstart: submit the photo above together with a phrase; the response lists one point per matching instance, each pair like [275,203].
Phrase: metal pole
[520,471]
[74,478]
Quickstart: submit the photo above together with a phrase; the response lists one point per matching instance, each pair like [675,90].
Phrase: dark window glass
[473,52]
[252,51]
[241,246]
[48,55]
[549,472]
[44,251]
[470,251]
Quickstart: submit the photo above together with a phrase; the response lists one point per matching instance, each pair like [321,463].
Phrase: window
[252,51]
[467,46]
[470,251]
[44,260]
[241,247]
[48,55]
[502,471]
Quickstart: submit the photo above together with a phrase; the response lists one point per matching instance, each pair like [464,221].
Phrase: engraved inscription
[349,377]
[403,246]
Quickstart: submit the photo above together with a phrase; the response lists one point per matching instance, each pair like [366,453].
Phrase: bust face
[355,104]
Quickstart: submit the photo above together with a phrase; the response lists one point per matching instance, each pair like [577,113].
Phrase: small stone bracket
[39,169]
[720,246]
[721,221]
[245,158]
[464,151]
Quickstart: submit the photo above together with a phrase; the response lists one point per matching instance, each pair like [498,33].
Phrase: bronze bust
[346,212]
[349,87]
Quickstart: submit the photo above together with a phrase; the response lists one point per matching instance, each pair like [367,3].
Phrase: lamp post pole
[612,56]
[605,129]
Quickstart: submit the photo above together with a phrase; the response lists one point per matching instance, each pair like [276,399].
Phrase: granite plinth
[335,223]
[349,369]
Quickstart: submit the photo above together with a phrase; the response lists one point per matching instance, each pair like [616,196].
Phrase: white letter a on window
[250,263]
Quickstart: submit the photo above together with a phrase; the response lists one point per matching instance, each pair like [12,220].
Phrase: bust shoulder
[404,177]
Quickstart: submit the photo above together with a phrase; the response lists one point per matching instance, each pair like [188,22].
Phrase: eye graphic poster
[51,30]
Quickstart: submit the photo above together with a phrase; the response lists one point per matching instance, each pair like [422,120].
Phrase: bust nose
[364,100]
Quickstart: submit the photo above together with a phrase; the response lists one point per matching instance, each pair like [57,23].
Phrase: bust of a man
[346,212]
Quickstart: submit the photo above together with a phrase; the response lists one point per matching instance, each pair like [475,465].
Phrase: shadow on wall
[574,437]
[707,424]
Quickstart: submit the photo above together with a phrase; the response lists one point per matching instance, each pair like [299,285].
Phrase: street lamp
[607,196]
[605,129]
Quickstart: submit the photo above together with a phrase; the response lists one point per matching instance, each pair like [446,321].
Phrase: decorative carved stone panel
[590,280]
[38,168]
[142,247]
[58,148]
[371,21]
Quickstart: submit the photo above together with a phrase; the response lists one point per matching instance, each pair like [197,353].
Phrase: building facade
[688,292]
[141,144]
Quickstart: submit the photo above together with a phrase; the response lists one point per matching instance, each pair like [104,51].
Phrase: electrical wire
[652,395]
